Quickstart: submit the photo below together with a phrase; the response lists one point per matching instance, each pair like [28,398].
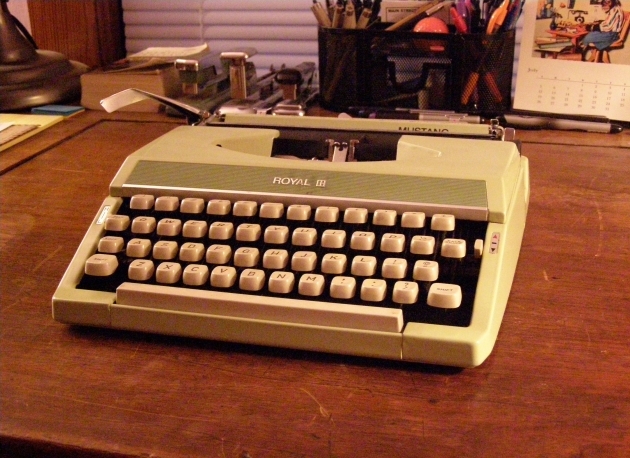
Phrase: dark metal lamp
[30,77]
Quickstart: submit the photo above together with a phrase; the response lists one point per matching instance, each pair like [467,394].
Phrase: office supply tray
[203,234]
[469,73]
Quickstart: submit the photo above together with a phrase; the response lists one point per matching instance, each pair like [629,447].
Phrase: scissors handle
[469,87]
[491,85]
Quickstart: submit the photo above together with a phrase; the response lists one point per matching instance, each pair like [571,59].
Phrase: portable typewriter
[386,239]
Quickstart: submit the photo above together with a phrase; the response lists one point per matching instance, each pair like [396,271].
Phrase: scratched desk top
[555,385]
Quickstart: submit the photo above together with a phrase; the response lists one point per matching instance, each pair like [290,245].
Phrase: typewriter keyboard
[379,269]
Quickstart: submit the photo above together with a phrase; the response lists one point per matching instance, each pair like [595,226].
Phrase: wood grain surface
[556,384]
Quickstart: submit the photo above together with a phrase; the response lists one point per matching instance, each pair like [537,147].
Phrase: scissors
[497,18]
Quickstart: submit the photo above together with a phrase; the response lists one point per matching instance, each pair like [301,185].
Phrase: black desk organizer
[469,73]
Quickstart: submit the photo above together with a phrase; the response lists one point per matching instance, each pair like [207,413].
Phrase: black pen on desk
[414,114]
[542,122]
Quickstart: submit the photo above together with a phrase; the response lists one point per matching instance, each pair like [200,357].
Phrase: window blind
[284,32]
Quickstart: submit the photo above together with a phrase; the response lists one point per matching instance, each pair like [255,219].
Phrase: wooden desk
[555,385]
[575,35]
[564,50]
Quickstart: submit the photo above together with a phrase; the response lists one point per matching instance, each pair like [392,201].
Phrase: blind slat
[230,32]
[277,47]
[284,32]
[162,5]
[260,5]
[297,18]
[131,17]
[153,31]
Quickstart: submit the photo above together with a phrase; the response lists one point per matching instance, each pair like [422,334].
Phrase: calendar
[557,74]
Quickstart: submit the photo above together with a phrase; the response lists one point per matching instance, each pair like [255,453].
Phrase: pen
[376,8]
[498,17]
[458,20]
[365,16]
[540,122]
[513,14]
[414,114]
[321,14]
[337,20]
[350,18]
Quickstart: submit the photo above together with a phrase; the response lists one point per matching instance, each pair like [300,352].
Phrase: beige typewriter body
[473,179]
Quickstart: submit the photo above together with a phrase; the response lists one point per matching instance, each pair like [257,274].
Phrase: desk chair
[603,56]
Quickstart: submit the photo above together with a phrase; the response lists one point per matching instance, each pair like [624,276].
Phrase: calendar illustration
[575,58]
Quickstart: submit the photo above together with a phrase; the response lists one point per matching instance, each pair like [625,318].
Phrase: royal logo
[287,181]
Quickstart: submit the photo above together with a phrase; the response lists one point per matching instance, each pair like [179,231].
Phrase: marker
[498,17]
[458,20]
[464,12]
[540,122]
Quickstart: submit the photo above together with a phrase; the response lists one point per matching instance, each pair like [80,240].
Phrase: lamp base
[49,78]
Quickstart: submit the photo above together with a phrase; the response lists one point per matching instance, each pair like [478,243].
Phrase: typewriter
[376,238]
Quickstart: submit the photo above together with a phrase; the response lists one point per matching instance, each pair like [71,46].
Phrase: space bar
[246,306]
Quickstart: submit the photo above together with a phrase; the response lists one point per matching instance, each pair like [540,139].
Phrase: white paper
[564,86]
[168,53]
